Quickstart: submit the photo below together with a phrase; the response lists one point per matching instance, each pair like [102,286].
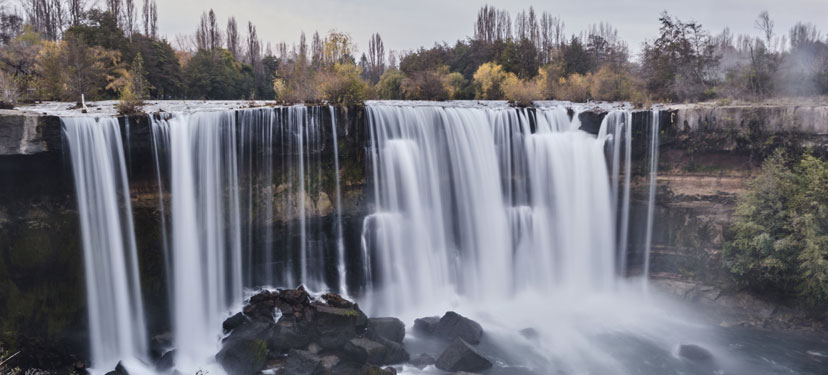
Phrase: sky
[410,24]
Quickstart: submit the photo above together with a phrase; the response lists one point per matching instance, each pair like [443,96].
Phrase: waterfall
[206,236]
[117,329]
[340,241]
[652,178]
[483,201]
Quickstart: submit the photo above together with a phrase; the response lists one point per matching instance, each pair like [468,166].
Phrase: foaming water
[117,329]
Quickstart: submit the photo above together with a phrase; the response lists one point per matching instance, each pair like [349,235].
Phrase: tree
[681,64]
[390,85]
[780,234]
[130,17]
[489,80]
[233,38]
[376,58]
[76,9]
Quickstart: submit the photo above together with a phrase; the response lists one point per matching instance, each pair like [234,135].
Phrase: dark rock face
[389,328]
[460,356]
[422,361]
[394,352]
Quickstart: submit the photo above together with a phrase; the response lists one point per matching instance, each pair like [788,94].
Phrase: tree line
[62,49]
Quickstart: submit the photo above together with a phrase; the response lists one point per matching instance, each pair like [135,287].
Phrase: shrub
[342,85]
[780,233]
[489,79]
[611,85]
[390,85]
[523,92]
[573,88]
[427,85]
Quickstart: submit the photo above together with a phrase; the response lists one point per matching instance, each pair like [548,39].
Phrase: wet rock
[695,353]
[234,322]
[243,356]
[390,328]
[166,362]
[363,350]
[119,370]
[302,362]
[453,325]
[422,361]
[394,352]
[289,335]
[336,326]
[329,362]
[426,325]
[460,356]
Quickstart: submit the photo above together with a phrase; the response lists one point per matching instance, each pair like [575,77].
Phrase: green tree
[780,233]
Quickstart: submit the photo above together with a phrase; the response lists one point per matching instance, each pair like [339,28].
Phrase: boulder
[234,322]
[362,350]
[335,326]
[394,352]
[166,362]
[119,370]
[460,356]
[422,361]
[695,353]
[302,362]
[243,356]
[389,328]
[426,325]
[376,370]
[453,325]
[287,334]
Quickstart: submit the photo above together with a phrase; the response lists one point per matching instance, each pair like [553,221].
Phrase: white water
[653,180]
[206,235]
[117,328]
[340,241]
[471,202]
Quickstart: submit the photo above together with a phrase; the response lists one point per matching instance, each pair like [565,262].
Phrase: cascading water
[230,177]
[475,200]
[518,218]
[206,236]
[117,328]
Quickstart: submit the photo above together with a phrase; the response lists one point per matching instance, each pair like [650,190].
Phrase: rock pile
[331,336]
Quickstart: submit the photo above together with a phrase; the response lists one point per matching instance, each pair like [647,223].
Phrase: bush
[523,92]
[573,88]
[489,79]
[611,85]
[780,233]
[342,85]
[427,85]
[390,85]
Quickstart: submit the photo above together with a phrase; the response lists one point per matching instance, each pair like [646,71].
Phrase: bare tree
[208,34]
[130,17]
[215,32]
[376,58]
[316,50]
[765,25]
[46,16]
[76,9]
[254,45]
[233,38]
[154,21]
[114,8]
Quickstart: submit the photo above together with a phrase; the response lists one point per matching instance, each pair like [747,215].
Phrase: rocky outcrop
[329,335]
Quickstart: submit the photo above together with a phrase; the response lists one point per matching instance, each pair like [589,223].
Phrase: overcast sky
[410,24]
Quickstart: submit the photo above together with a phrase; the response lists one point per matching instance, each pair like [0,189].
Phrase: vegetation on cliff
[780,234]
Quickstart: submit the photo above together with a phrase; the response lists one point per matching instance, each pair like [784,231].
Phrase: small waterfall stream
[117,328]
